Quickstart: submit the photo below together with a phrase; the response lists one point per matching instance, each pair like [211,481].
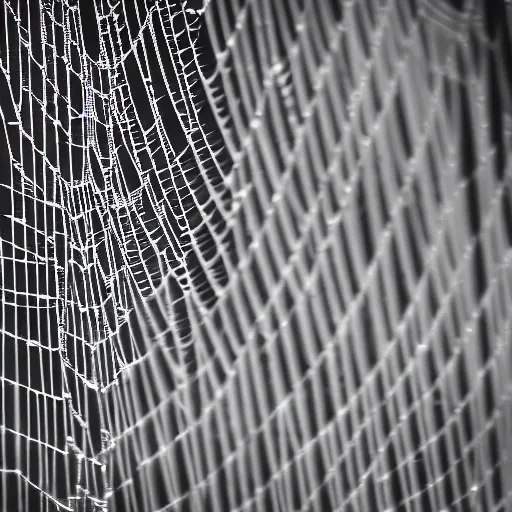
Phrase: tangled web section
[255,255]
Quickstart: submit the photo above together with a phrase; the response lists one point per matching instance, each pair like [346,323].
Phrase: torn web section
[201,178]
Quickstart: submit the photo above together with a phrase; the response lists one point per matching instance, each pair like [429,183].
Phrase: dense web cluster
[255,255]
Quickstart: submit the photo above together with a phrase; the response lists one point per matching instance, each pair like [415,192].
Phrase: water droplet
[366,141]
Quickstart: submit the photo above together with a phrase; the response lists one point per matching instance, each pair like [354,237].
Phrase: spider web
[255,255]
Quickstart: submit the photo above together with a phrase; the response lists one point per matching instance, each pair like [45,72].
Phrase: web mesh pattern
[255,255]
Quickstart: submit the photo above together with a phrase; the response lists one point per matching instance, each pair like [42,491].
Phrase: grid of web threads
[495,192]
